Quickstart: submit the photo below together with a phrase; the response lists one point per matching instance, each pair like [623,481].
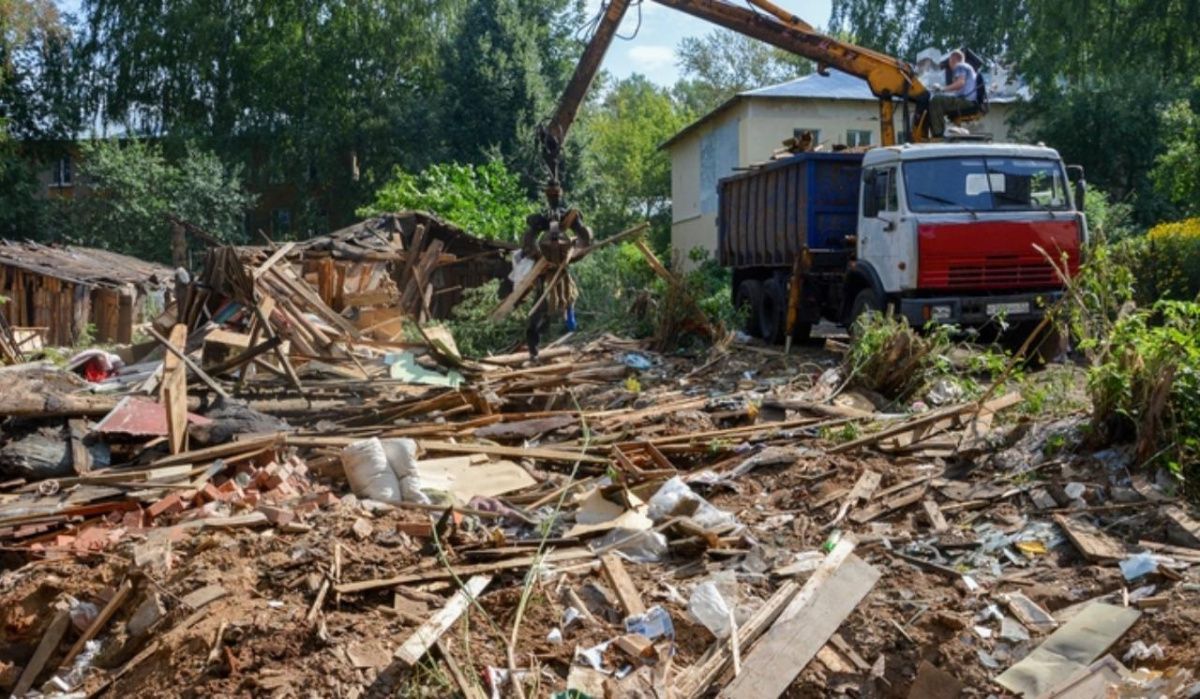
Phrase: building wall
[759,127]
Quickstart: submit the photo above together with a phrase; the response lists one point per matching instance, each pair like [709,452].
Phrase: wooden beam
[49,643]
[618,578]
[173,393]
[98,623]
[835,589]
[445,573]
[518,293]
[171,347]
[418,644]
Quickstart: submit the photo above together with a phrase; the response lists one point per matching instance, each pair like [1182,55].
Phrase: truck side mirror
[870,206]
[1075,175]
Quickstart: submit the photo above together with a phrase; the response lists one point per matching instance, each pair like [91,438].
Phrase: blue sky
[651,51]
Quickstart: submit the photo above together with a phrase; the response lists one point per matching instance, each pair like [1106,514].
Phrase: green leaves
[133,188]
[486,200]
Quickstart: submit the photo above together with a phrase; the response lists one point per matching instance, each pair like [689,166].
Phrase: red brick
[209,493]
[277,515]
[169,505]
[133,520]
[422,530]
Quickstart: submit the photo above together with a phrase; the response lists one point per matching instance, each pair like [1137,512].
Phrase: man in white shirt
[957,96]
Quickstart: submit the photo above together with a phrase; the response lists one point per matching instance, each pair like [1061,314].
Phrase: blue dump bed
[768,214]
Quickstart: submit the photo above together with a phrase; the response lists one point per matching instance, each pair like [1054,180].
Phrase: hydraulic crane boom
[890,79]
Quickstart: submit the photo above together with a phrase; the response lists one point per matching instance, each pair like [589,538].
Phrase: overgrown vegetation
[475,334]
[1146,386]
[1144,358]
[895,360]
[132,189]
[486,200]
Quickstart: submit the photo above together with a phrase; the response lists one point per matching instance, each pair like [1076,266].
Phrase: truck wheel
[747,300]
[773,311]
[1047,346]
[865,302]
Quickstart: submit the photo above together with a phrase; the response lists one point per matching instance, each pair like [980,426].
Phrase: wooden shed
[63,289]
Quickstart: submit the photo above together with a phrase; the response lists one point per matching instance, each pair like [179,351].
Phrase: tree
[486,200]
[132,188]
[1176,172]
[629,177]
[327,97]
[723,63]
[506,68]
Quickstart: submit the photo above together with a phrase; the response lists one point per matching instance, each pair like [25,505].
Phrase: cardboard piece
[464,479]
[1069,649]
[597,513]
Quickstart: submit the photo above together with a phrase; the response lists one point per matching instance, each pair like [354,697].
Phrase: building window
[62,174]
[858,139]
[815,134]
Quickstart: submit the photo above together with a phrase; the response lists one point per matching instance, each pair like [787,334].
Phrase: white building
[751,125]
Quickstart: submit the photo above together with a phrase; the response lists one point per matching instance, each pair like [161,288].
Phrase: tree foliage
[1176,172]
[132,188]
[723,63]
[628,175]
[486,200]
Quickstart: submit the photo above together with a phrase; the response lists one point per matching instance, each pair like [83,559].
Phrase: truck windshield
[985,184]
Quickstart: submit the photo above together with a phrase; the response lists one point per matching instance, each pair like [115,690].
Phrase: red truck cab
[969,233]
[965,232]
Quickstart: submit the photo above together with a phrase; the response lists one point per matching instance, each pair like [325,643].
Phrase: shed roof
[80,265]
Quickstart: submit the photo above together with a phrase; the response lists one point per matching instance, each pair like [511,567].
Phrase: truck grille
[964,276]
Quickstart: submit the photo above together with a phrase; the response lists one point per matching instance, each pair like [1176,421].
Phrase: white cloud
[651,58]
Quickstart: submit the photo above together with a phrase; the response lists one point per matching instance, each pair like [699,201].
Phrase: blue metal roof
[835,86]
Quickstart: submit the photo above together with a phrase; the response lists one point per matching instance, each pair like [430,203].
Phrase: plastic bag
[676,498]
[713,601]
[637,546]
[370,474]
[402,458]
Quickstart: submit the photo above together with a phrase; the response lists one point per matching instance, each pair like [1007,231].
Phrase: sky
[651,50]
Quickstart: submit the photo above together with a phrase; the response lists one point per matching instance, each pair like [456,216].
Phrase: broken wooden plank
[863,488]
[81,458]
[1182,529]
[696,679]
[98,623]
[827,598]
[1090,540]
[173,394]
[176,348]
[934,513]
[444,573]
[994,405]
[520,290]
[46,647]
[618,578]
[412,650]
[900,501]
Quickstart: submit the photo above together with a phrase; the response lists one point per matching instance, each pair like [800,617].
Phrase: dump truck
[972,233]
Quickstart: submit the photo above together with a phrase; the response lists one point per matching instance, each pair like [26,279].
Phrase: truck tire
[865,302]
[747,300]
[1049,344]
[772,313]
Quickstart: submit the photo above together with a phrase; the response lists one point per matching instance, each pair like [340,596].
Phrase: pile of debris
[275,500]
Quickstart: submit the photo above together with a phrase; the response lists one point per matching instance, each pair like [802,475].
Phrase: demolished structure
[284,495]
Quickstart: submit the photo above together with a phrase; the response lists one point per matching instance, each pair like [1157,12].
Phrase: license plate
[995,309]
